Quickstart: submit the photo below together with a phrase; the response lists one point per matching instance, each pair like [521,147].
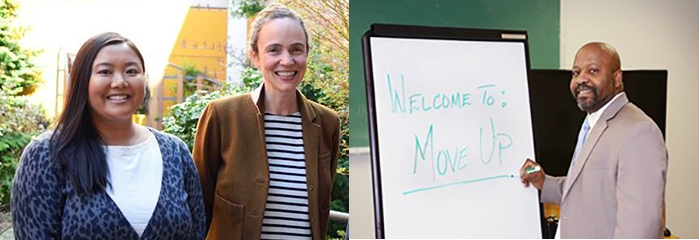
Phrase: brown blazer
[231,158]
[618,189]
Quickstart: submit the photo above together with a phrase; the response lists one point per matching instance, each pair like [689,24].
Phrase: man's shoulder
[635,123]
[631,114]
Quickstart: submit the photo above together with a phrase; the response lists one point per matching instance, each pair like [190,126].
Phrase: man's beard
[586,106]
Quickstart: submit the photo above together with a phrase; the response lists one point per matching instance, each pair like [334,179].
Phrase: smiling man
[616,182]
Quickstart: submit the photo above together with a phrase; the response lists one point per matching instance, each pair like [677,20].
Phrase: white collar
[255,94]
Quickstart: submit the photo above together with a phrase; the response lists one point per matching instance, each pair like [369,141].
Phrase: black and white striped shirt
[287,210]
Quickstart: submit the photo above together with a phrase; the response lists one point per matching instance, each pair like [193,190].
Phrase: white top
[135,174]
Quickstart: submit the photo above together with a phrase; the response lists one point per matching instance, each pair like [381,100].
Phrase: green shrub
[182,119]
[20,120]
[11,146]
[18,74]
[339,202]
[247,8]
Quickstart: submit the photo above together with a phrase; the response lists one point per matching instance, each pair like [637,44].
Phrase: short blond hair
[271,12]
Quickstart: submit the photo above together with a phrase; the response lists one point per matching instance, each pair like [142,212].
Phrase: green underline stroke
[457,183]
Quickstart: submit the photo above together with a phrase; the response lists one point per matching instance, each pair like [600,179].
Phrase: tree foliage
[182,119]
[247,8]
[20,120]
[329,20]
[18,75]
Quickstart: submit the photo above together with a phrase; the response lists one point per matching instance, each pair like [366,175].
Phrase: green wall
[539,17]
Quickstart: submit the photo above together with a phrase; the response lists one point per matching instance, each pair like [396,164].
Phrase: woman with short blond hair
[267,159]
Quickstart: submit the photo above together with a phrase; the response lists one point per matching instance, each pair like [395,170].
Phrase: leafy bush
[339,202]
[19,119]
[11,145]
[248,8]
[18,75]
[182,119]
[19,122]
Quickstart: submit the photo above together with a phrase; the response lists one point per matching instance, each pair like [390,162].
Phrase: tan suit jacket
[617,189]
[231,158]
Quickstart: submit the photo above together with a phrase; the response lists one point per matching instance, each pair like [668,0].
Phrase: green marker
[532,169]
[528,170]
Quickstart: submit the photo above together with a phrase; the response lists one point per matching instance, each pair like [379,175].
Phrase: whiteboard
[452,126]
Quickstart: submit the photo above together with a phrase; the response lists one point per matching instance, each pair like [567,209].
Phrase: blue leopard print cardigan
[45,206]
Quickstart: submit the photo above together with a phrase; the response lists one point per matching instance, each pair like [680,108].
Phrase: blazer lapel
[258,98]
[593,138]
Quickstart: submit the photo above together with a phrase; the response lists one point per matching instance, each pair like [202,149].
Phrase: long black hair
[76,142]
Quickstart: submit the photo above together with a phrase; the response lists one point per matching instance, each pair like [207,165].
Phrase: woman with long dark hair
[98,175]
[267,159]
